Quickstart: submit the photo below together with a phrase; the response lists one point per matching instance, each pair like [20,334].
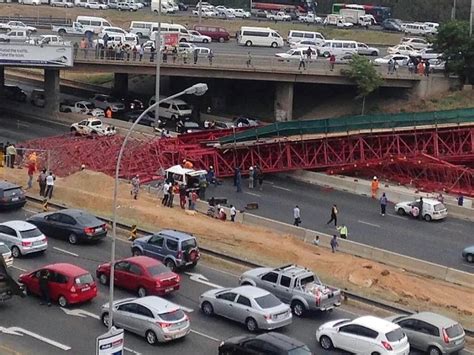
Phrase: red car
[68,284]
[141,274]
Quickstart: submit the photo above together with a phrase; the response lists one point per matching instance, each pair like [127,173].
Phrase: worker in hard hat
[374,186]
[187,164]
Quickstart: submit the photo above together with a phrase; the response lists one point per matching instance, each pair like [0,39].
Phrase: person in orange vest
[187,164]
[374,186]
[108,113]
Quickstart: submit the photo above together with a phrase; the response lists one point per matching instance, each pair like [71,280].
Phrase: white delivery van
[184,35]
[188,177]
[297,36]
[337,47]
[415,29]
[142,28]
[94,24]
[259,36]
[173,109]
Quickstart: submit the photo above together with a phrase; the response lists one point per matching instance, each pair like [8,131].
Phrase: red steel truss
[454,145]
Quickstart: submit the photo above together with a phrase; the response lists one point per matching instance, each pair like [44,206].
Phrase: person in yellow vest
[374,186]
[343,232]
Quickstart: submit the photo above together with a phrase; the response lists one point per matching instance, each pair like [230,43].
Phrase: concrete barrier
[460,277]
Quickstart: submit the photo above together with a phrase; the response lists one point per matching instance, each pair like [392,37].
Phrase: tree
[457,47]
[363,73]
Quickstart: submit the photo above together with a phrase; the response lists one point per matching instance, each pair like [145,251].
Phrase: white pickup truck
[279,16]
[51,40]
[75,29]
[82,107]
[92,127]
[15,36]
[310,18]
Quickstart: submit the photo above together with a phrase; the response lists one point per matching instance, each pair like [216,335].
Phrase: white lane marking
[395,216]
[18,331]
[251,193]
[66,252]
[131,351]
[201,279]
[205,335]
[369,224]
[468,265]
[18,268]
[281,188]
[79,313]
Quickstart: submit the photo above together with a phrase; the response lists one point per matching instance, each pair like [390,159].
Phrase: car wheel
[248,43]
[375,353]
[427,218]
[103,279]
[16,252]
[136,252]
[205,40]
[433,350]
[72,239]
[298,308]
[325,342]
[274,45]
[401,211]
[326,54]
[470,258]
[251,325]
[207,309]
[61,32]
[221,39]
[150,337]
[105,319]
[171,265]
[141,292]
[62,301]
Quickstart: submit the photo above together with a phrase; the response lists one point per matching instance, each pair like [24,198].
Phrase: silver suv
[294,285]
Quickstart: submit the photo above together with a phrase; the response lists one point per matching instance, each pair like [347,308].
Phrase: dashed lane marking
[252,193]
[66,252]
[369,224]
[205,335]
[281,188]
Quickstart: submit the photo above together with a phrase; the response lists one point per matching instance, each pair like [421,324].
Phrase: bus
[380,13]
[285,5]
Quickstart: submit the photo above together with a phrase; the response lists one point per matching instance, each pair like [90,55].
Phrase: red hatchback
[141,274]
[68,284]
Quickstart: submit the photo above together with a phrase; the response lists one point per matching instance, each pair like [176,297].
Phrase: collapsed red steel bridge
[432,159]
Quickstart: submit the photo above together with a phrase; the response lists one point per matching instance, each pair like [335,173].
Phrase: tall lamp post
[158,64]
[198,90]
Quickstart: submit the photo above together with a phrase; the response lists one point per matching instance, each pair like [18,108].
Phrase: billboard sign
[29,55]
[110,343]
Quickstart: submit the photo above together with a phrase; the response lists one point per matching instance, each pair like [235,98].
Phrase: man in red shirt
[31,171]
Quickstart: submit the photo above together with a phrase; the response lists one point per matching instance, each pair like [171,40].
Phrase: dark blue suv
[174,248]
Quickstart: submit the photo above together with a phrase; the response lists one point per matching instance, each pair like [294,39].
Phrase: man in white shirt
[166,193]
[297,216]
[49,185]
[233,213]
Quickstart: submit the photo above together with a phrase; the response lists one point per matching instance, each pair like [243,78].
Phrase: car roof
[66,269]
[434,319]
[7,184]
[157,304]
[372,322]
[176,234]
[73,212]
[249,291]
[144,261]
[19,225]
[281,341]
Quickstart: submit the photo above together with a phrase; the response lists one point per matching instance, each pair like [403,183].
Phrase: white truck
[15,36]
[279,16]
[92,127]
[310,18]
[357,17]
[75,29]
[82,107]
[337,20]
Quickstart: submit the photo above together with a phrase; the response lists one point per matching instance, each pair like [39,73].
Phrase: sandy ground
[93,191]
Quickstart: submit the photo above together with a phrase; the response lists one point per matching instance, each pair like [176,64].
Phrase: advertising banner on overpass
[27,55]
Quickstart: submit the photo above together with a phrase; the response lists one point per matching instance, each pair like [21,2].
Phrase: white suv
[364,335]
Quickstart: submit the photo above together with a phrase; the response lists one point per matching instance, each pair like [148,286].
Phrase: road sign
[110,343]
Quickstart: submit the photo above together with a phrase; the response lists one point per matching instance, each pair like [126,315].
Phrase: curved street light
[198,90]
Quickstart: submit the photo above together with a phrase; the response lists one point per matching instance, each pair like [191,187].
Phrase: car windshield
[172,316]
[454,331]
[84,279]
[89,106]
[395,335]
[267,301]
[157,269]
[11,192]
[439,207]
[302,350]
[31,233]
[189,243]
[183,107]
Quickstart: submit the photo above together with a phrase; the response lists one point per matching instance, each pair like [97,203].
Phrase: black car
[132,104]
[182,6]
[15,93]
[392,25]
[267,343]
[147,120]
[73,225]
[11,195]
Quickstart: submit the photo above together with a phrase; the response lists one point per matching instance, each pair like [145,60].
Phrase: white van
[173,109]
[337,47]
[94,24]
[188,177]
[415,29]
[142,28]
[184,35]
[259,36]
[298,36]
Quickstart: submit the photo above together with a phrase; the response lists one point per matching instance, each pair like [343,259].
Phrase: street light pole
[158,65]
[453,11]
[198,90]
[470,18]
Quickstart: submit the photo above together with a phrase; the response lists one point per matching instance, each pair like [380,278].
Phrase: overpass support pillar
[120,84]
[51,90]
[284,101]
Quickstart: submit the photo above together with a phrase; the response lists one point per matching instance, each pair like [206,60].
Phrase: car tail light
[158,283]
[26,244]
[73,289]
[89,230]
[178,279]
[163,324]
[445,336]
[387,345]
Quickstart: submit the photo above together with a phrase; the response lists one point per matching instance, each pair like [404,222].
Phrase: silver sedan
[249,305]
[152,317]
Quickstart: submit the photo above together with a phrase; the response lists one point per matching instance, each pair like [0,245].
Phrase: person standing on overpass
[383,204]
[302,62]
[297,216]
[334,213]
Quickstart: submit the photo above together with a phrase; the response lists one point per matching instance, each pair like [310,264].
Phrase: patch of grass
[89,78]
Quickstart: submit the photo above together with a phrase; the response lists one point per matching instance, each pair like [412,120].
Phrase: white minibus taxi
[259,36]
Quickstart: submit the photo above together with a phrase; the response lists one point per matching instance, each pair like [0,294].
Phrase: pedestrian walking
[210,56]
[420,207]
[174,54]
[233,213]
[461,200]
[182,196]
[374,186]
[296,216]
[165,56]
[259,174]
[251,177]
[391,66]
[185,57]
[193,198]
[383,204]
[302,62]
[135,187]
[44,287]
[195,55]
[343,231]
[152,54]
[334,243]
[334,213]
[238,180]
[309,52]
[42,182]
[141,51]
[332,62]
[166,193]
[427,68]
[31,171]
[11,155]
[249,60]
[49,185]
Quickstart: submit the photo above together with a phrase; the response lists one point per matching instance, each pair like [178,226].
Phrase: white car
[240,13]
[186,47]
[199,38]
[92,127]
[95,6]
[305,44]
[432,209]
[402,49]
[363,335]
[17,25]
[22,238]
[437,65]
[364,49]
[415,42]
[399,59]
[296,53]
[205,13]
[429,53]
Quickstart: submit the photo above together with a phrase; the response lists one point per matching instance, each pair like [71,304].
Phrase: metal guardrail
[236,260]
[39,22]
[229,62]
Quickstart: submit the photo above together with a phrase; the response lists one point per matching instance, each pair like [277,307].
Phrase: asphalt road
[54,331]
